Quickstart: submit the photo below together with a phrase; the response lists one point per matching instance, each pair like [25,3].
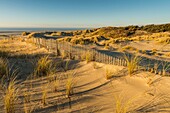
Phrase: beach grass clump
[27,96]
[95,66]
[55,84]
[28,108]
[143,51]
[3,67]
[63,54]
[132,63]
[164,40]
[83,57]
[11,96]
[66,67]
[122,106]
[108,74]
[156,67]
[130,48]
[25,33]
[89,56]
[154,51]
[165,68]
[70,84]
[44,94]
[44,67]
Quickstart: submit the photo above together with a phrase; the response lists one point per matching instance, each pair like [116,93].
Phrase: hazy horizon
[82,13]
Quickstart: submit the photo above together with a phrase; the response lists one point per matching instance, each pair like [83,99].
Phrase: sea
[3,30]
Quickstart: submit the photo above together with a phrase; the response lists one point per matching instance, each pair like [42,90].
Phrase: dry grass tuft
[121,106]
[89,56]
[95,66]
[44,67]
[165,68]
[70,83]
[108,74]
[11,96]
[44,94]
[132,63]
[130,48]
[55,84]
[3,67]
[63,54]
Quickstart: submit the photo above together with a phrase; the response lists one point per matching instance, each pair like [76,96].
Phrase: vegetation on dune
[63,87]
[108,74]
[122,106]
[10,96]
[132,63]
[44,67]
[25,33]
[70,84]
[3,68]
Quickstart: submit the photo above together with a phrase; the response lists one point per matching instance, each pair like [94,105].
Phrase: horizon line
[89,27]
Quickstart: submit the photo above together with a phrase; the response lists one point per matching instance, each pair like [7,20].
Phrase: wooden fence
[76,51]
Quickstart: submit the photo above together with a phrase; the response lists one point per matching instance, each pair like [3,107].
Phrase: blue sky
[83,13]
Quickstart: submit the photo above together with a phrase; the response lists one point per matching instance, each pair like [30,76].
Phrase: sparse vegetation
[44,94]
[156,67]
[108,73]
[165,68]
[121,106]
[44,67]
[3,68]
[70,84]
[132,63]
[27,96]
[95,66]
[52,82]
[11,96]
[25,33]
[129,48]
[55,84]
[67,65]
[89,56]
[63,54]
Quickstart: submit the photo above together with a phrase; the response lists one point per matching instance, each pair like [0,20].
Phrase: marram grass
[132,63]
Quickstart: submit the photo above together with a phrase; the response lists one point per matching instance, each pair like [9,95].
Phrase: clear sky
[83,13]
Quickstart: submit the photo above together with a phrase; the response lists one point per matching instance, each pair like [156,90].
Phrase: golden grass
[70,83]
[89,56]
[121,106]
[129,48]
[3,67]
[165,68]
[63,54]
[132,63]
[44,94]
[27,108]
[95,66]
[44,67]
[156,66]
[108,74]
[164,40]
[66,67]
[27,96]
[11,96]
[83,56]
[55,84]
